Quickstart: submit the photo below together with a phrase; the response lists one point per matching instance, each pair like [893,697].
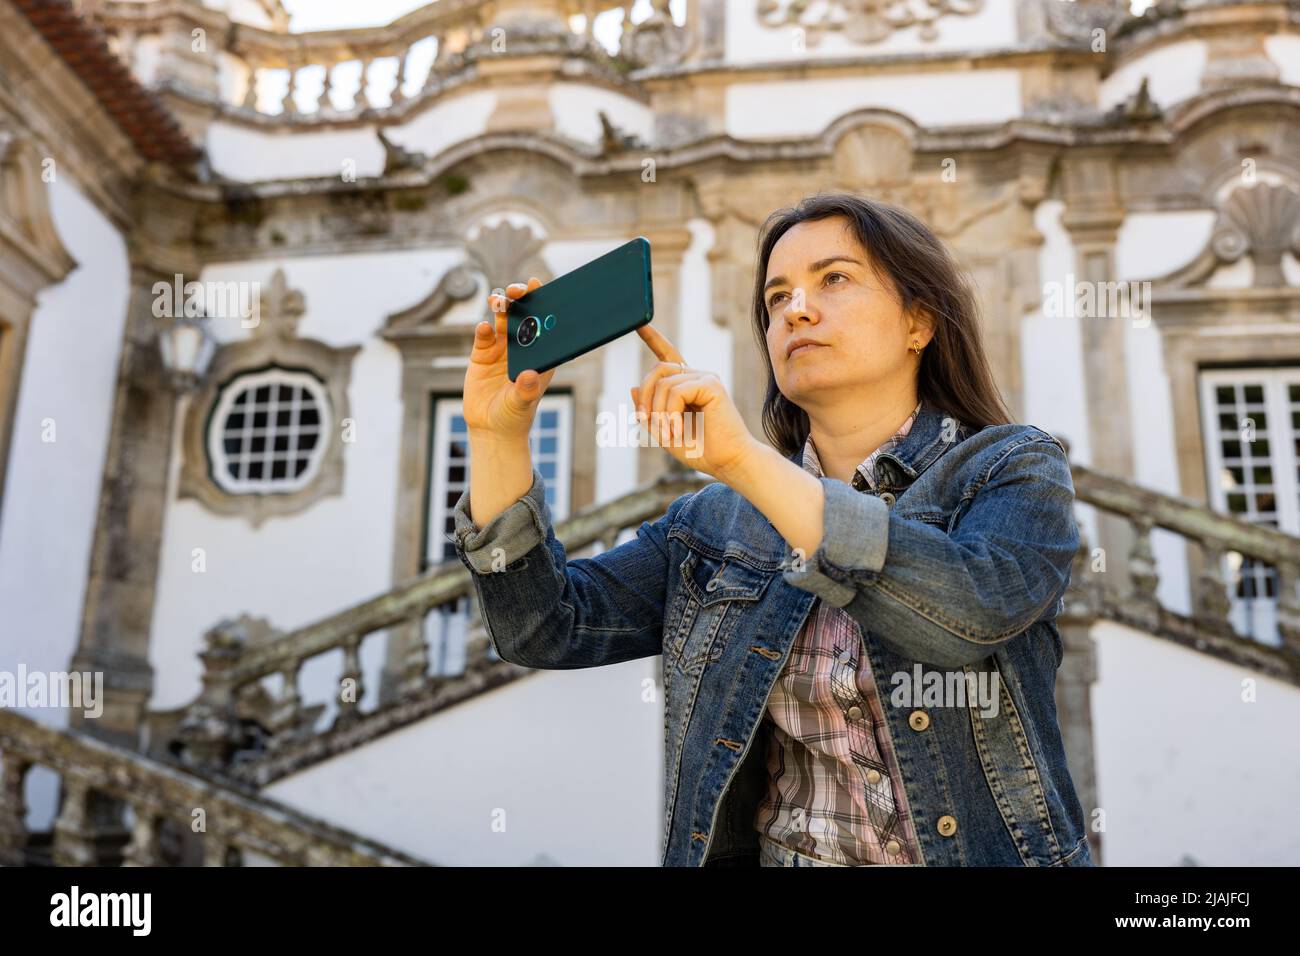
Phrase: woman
[857,620]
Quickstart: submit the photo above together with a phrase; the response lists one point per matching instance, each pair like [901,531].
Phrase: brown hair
[954,375]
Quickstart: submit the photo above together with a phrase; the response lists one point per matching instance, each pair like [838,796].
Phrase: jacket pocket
[715,595]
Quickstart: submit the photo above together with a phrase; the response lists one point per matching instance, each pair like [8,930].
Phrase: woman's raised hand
[495,407]
[689,413]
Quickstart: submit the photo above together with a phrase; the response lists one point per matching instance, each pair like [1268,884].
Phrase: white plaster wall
[559,768]
[449,122]
[248,154]
[785,109]
[1174,73]
[1185,767]
[52,490]
[749,41]
[1284,50]
[575,108]
[52,493]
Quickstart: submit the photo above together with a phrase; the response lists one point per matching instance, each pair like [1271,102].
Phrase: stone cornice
[584,161]
[1153,30]
[188,214]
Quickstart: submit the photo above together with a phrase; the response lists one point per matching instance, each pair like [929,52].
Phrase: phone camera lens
[528,330]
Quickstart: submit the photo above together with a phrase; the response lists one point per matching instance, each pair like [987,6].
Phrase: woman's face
[820,286]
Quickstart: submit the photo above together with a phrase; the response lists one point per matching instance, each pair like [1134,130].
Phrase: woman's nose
[801,307]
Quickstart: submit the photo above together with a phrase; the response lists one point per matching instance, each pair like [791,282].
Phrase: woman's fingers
[485,344]
[649,384]
[664,350]
[498,301]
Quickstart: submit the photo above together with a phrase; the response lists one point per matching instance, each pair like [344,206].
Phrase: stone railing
[236,660]
[209,731]
[1216,536]
[166,804]
[198,50]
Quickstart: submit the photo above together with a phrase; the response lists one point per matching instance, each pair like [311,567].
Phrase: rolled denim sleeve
[542,609]
[953,599]
[856,536]
[507,537]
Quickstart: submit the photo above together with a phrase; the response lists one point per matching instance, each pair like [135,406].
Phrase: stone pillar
[731,269]
[1077,674]
[119,602]
[668,244]
[1093,216]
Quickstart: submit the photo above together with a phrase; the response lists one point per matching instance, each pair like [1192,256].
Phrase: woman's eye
[840,274]
[772,301]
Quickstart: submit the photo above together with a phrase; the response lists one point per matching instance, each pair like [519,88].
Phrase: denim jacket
[954,567]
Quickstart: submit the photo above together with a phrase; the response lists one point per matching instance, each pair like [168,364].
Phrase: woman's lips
[804,348]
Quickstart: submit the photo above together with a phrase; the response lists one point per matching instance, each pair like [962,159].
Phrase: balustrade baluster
[143,848]
[74,839]
[1212,601]
[362,100]
[350,693]
[398,94]
[13,810]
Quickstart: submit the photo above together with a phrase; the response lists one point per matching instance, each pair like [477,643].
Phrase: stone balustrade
[333,74]
[229,820]
[235,667]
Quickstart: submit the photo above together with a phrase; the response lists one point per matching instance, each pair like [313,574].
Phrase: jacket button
[892,847]
[918,720]
[855,712]
[712,585]
[887,498]
[947,825]
[873,776]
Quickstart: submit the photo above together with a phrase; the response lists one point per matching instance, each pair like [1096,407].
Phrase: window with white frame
[551,439]
[268,432]
[550,442]
[1251,419]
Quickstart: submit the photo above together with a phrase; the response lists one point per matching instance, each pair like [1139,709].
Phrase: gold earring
[916,348]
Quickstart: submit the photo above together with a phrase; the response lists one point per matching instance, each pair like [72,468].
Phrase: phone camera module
[528,331]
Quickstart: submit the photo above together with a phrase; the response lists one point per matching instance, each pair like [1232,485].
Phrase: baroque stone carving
[863,21]
[502,253]
[1264,221]
[656,40]
[613,139]
[1077,19]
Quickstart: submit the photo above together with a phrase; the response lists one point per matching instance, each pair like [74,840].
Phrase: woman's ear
[920,327]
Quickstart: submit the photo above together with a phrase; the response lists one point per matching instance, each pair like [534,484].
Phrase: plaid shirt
[834,790]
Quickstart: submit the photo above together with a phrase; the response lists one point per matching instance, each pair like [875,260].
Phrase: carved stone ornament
[656,40]
[1264,222]
[862,21]
[503,253]
[27,229]
[1077,19]
[273,344]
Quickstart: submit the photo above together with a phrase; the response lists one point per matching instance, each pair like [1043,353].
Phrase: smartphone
[581,310]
